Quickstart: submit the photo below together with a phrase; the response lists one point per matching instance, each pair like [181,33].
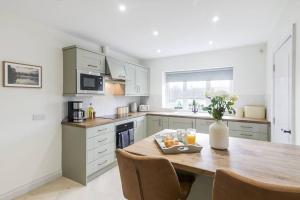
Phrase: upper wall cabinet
[77,57]
[137,80]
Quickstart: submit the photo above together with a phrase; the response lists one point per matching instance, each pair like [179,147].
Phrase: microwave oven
[89,82]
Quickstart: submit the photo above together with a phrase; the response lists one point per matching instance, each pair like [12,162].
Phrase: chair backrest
[231,186]
[147,178]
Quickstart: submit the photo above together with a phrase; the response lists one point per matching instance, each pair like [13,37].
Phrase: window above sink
[181,88]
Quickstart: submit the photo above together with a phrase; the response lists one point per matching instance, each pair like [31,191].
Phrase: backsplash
[103,105]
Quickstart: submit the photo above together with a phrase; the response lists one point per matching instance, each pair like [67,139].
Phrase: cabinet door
[142,81]
[90,60]
[140,130]
[130,83]
[202,125]
[156,124]
[181,123]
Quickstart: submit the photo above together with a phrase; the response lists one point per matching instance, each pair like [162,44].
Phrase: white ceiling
[184,26]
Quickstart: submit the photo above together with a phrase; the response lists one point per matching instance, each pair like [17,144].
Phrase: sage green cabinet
[137,80]
[78,57]
[75,58]
[156,124]
[202,125]
[249,130]
[140,128]
[142,79]
[130,82]
[87,153]
[181,123]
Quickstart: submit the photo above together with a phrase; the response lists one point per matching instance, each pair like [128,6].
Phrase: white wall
[31,150]
[249,71]
[289,16]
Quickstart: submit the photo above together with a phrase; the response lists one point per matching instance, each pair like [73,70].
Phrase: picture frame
[21,75]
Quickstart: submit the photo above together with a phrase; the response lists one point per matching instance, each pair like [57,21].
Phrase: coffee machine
[75,111]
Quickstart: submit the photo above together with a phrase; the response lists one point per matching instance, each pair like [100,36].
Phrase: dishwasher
[124,135]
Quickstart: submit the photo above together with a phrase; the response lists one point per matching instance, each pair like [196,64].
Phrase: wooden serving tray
[185,148]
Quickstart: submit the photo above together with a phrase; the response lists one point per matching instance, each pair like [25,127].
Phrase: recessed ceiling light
[155,33]
[122,8]
[158,50]
[215,19]
[211,42]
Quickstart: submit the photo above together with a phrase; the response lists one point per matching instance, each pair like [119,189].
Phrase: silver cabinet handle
[102,151]
[102,163]
[100,130]
[246,126]
[244,134]
[102,140]
[92,66]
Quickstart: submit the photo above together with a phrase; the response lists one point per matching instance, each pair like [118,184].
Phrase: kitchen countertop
[102,121]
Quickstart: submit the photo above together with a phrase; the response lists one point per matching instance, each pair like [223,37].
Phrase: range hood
[115,69]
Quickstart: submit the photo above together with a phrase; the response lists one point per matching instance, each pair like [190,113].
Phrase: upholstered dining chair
[231,186]
[151,178]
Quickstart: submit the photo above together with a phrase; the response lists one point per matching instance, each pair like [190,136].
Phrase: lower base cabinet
[156,124]
[181,123]
[86,153]
[247,130]
[140,128]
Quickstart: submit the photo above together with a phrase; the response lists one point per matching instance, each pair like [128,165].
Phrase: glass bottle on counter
[90,112]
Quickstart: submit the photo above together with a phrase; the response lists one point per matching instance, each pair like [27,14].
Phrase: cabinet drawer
[98,130]
[88,59]
[251,127]
[100,152]
[249,135]
[100,163]
[100,140]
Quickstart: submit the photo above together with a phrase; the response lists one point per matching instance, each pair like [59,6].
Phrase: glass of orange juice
[191,136]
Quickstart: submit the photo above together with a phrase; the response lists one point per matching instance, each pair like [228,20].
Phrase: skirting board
[30,186]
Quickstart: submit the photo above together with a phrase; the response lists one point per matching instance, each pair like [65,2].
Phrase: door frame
[290,35]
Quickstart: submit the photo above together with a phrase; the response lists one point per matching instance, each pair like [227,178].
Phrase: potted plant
[218,131]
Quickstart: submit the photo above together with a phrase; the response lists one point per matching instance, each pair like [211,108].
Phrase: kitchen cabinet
[77,57]
[137,80]
[181,123]
[156,124]
[142,81]
[140,128]
[130,82]
[202,125]
[87,153]
[249,130]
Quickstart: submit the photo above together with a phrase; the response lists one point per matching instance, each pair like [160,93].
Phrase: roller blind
[201,75]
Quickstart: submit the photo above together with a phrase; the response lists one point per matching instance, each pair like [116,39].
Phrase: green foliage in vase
[219,105]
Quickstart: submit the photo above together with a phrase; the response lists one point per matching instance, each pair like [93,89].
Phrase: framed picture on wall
[21,75]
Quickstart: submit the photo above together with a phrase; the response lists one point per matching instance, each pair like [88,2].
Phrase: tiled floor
[105,187]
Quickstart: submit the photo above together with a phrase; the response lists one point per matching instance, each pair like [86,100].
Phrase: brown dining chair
[231,186]
[151,178]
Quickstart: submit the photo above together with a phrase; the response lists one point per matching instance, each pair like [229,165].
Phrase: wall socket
[38,117]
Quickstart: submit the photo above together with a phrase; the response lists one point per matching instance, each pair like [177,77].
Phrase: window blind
[201,75]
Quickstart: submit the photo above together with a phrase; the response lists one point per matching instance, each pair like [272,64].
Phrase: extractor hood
[115,69]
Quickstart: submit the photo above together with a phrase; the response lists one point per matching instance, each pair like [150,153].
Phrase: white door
[283,93]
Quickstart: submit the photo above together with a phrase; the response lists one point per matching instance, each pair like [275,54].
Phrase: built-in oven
[124,135]
[89,82]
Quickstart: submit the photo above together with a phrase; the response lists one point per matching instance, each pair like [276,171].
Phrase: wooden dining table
[263,161]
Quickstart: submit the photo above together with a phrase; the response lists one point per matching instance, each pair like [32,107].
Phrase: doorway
[283,91]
